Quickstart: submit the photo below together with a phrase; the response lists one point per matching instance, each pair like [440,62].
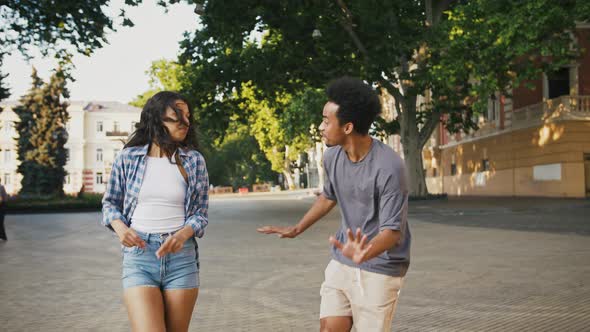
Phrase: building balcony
[117,133]
[564,108]
[575,108]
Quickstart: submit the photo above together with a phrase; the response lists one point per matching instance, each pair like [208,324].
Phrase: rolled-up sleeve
[393,203]
[393,211]
[199,218]
[328,190]
[112,201]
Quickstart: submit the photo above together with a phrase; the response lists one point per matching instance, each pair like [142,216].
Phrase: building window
[116,126]
[493,112]
[99,127]
[453,169]
[99,178]
[7,156]
[7,126]
[98,154]
[485,165]
[68,179]
[6,178]
[559,83]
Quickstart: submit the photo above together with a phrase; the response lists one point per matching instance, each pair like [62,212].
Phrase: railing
[576,108]
[117,133]
[580,104]
[561,108]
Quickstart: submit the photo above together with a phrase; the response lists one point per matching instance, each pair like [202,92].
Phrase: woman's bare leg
[179,304]
[145,308]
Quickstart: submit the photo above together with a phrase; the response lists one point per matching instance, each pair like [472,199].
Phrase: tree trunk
[319,158]
[289,177]
[412,148]
[288,174]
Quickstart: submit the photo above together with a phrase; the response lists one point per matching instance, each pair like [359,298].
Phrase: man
[368,181]
[3,199]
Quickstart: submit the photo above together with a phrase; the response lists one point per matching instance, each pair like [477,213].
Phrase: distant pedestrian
[3,201]
[156,201]
[367,179]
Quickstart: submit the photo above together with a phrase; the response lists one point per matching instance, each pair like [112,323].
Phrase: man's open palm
[283,232]
[355,248]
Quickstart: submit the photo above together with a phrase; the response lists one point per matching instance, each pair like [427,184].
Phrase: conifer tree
[42,136]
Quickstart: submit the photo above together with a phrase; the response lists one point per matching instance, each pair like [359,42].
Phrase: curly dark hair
[151,124]
[358,103]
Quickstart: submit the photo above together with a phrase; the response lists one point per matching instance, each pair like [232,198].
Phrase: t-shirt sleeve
[328,190]
[393,202]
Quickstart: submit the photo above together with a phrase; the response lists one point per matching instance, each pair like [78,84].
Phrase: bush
[38,204]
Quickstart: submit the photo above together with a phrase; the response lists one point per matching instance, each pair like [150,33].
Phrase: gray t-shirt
[372,195]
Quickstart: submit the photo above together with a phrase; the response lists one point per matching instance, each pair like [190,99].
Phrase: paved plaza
[477,265]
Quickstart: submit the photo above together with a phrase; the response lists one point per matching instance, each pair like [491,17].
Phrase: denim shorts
[178,270]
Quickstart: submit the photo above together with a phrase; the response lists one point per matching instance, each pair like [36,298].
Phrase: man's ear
[348,128]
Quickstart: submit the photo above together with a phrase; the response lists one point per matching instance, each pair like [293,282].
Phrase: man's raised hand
[356,248]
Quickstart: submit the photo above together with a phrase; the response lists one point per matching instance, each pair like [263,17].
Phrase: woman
[156,201]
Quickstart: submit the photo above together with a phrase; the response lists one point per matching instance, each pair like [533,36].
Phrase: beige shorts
[369,298]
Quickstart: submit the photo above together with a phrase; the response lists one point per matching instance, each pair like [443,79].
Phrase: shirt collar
[142,151]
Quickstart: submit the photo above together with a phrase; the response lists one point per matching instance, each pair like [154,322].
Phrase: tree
[27,111]
[163,75]
[42,136]
[55,27]
[238,160]
[451,51]
[4,92]
[302,117]
[263,116]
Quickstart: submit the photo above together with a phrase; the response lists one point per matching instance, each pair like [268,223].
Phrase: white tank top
[160,205]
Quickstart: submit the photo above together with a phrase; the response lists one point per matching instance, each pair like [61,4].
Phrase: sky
[115,72]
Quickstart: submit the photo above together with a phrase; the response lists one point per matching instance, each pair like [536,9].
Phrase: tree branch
[441,6]
[347,25]
[397,96]
[428,128]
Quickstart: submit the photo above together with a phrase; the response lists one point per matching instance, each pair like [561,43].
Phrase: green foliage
[4,91]
[479,50]
[51,203]
[42,136]
[303,115]
[163,75]
[238,161]
[263,116]
[81,24]
[55,27]
[27,111]
[461,51]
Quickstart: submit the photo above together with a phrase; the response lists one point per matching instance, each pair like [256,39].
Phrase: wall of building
[514,157]
[584,61]
[83,141]
[525,96]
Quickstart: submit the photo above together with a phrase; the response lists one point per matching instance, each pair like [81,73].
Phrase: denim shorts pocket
[135,250]
[188,249]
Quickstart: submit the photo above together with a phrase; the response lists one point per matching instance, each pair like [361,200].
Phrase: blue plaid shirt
[120,198]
